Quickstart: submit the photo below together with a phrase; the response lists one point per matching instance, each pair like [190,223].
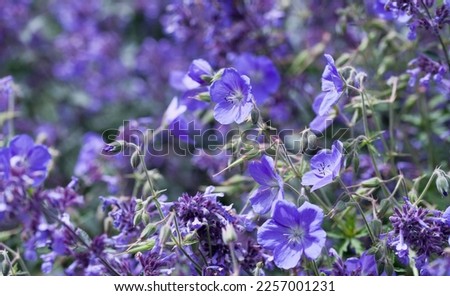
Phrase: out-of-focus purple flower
[62,198]
[233,95]
[271,184]
[325,167]
[366,265]
[439,267]
[173,111]
[90,166]
[200,70]
[6,91]
[293,232]
[382,9]
[427,69]
[442,16]
[321,122]
[262,72]
[332,86]
[25,161]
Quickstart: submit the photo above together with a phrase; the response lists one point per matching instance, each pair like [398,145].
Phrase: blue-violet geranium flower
[293,232]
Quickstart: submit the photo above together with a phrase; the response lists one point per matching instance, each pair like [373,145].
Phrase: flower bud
[229,234]
[442,184]
[135,159]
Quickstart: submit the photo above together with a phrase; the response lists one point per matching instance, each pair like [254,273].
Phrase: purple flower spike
[262,72]
[271,189]
[332,86]
[292,232]
[232,93]
[325,167]
[199,69]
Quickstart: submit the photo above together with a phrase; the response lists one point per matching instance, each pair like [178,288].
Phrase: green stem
[234,259]
[419,199]
[314,268]
[178,243]
[436,31]
[426,121]
[369,230]
[11,104]
[17,255]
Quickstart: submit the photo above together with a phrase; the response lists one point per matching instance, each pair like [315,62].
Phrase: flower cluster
[424,231]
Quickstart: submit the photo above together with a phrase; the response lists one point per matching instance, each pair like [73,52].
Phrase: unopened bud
[442,184]
[229,234]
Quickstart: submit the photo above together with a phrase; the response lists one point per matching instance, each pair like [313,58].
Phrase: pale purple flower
[24,160]
[332,86]
[325,167]
[263,73]
[293,232]
[271,184]
[199,70]
[321,122]
[233,95]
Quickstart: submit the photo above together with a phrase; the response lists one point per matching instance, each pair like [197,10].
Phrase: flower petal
[271,234]
[38,158]
[263,171]
[310,216]
[286,256]
[285,213]
[314,243]
[244,111]
[310,178]
[20,145]
[263,198]
[225,112]
[322,182]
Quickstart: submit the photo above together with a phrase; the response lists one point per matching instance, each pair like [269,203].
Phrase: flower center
[324,168]
[297,234]
[235,97]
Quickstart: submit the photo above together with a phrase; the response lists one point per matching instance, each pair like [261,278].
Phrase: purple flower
[271,189]
[427,68]
[199,70]
[232,93]
[439,267]
[363,266]
[325,167]
[24,160]
[321,122]
[292,232]
[426,232]
[262,72]
[173,111]
[332,86]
